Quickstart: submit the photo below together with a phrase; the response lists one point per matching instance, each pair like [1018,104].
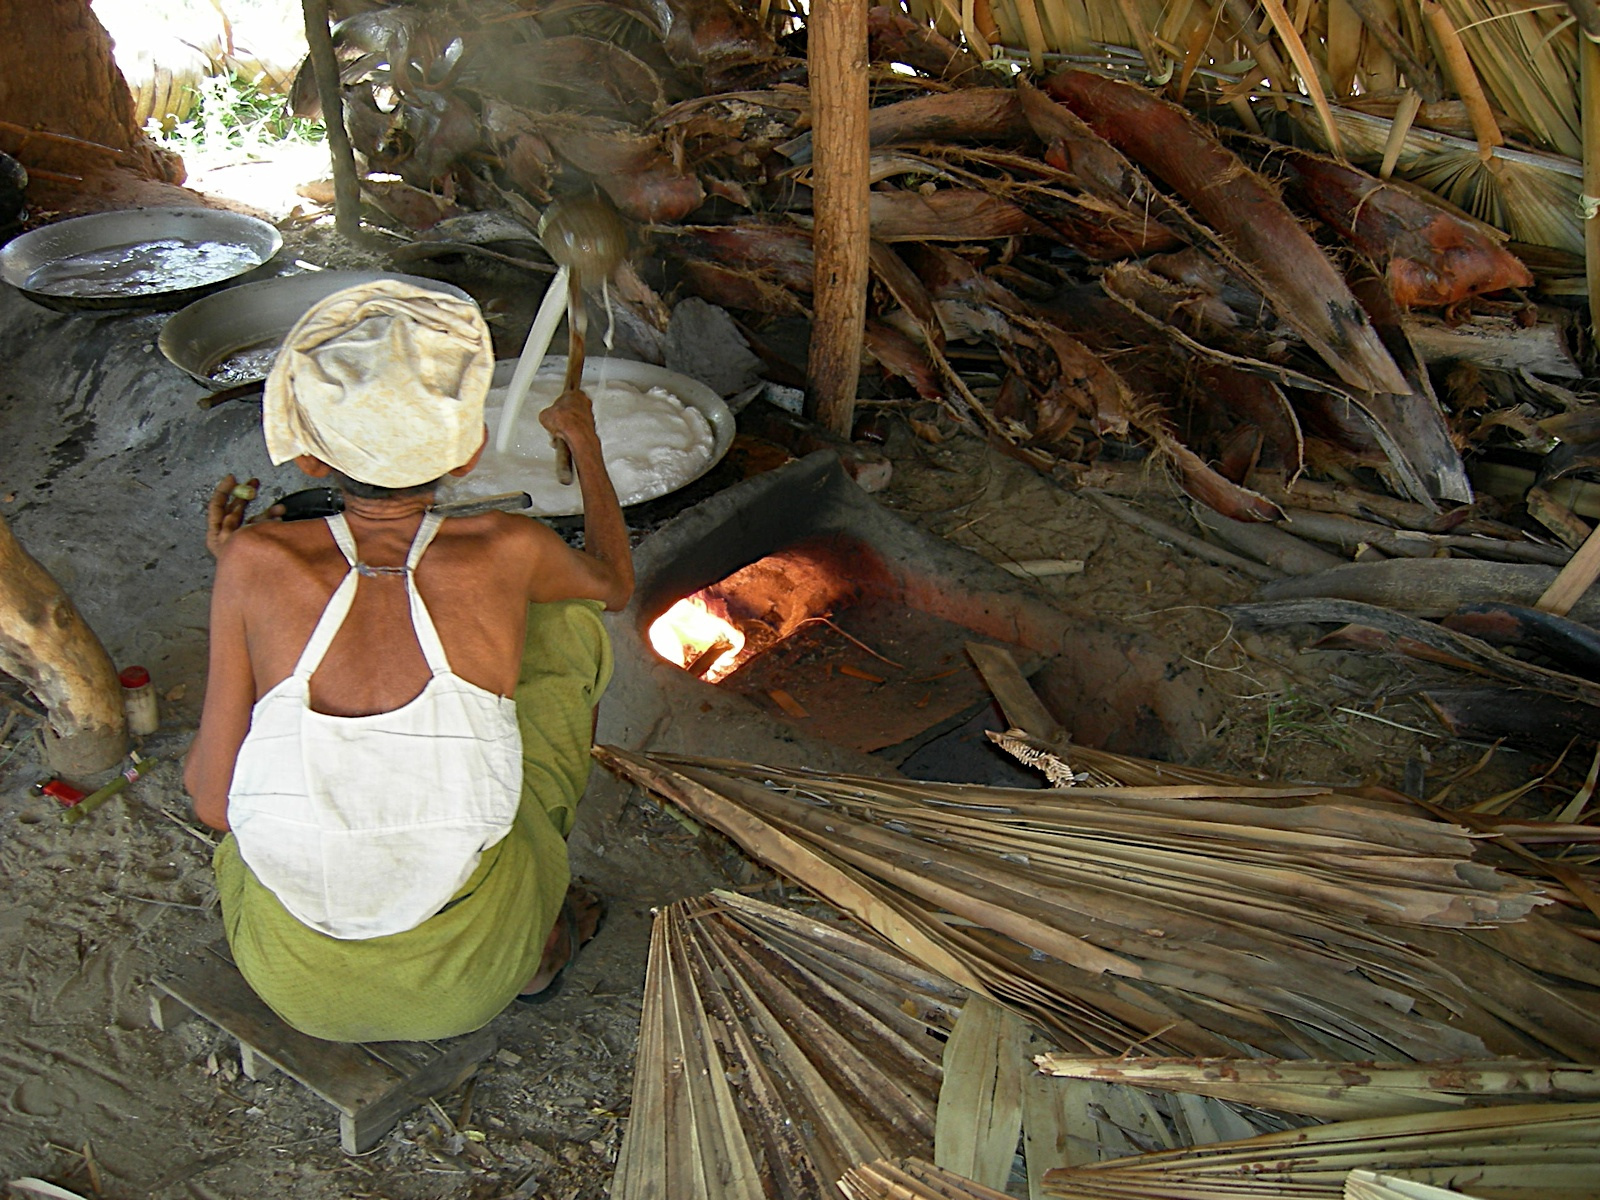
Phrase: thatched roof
[1477,100]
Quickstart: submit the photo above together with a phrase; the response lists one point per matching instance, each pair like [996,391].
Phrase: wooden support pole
[837,52]
[1589,200]
[46,645]
[325,67]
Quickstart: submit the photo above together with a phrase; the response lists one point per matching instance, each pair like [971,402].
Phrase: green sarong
[454,972]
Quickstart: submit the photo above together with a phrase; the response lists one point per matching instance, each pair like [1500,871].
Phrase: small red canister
[139,701]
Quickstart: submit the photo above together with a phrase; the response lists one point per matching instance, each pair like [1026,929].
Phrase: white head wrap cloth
[384,382]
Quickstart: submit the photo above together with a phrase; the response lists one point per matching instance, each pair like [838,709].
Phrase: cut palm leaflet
[1066,258]
[1334,1091]
[1531,1150]
[917,1180]
[1185,920]
[787,1052]
[776,1050]
[779,1049]
[1525,1152]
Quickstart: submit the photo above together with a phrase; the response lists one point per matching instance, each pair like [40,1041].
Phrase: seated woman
[399,708]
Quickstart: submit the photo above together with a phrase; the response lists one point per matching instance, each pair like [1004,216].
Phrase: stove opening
[714,632]
[824,634]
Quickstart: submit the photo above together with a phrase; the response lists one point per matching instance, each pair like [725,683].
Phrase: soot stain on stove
[70,450]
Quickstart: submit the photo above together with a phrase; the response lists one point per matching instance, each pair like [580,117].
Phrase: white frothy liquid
[611,330]
[653,442]
[540,334]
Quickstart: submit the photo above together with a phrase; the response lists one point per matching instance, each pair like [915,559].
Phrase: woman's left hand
[226,509]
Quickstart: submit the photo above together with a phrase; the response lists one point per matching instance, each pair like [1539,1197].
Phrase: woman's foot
[579,920]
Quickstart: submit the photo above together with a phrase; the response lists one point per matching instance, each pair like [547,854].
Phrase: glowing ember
[688,630]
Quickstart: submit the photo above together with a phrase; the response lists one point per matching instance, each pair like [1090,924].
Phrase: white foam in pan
[658,430]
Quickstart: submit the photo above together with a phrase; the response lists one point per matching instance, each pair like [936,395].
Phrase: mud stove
[793,618]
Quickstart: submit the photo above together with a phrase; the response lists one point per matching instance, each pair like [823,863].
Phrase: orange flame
[688,629]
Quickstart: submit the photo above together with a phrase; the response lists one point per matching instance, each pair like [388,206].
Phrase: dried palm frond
[775,1050]
[915,1180]
[1342,1090]
[1544,1150]
[1113,916]
[1527,60]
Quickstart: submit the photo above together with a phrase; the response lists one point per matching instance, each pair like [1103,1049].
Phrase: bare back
[475,579]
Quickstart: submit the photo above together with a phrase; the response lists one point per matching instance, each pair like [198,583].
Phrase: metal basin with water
[135,258]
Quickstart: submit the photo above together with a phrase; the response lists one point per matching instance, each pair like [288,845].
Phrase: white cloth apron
[366,826]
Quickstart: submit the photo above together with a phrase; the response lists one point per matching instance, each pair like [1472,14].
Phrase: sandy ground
[91,911]
[93,1098]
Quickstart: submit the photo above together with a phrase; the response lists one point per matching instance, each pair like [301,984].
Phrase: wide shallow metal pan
[164,257]
[691,391]
[228,338]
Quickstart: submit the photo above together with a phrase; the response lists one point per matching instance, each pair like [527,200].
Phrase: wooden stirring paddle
[587,237]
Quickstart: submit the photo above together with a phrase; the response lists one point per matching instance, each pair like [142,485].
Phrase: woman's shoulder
[501,532]
[275,542]
[273,555]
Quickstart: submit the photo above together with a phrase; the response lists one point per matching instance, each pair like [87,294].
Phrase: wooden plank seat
[371,1085]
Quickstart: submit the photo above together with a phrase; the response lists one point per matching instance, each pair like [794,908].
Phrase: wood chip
[858,673]
[1557,518]
[788,704]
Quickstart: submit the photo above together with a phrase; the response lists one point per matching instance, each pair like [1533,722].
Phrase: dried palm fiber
[1265,242]
[775,1051]
[1342,1090]
[1430,257]
[1530,1150]
[1177,918]
[1530,194]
